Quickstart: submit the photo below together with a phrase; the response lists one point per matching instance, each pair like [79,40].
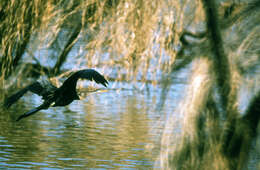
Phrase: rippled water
[117,129]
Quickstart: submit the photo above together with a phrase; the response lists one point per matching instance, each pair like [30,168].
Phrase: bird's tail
[12,99]
[33,111]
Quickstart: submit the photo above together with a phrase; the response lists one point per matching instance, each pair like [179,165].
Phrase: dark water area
[114,129]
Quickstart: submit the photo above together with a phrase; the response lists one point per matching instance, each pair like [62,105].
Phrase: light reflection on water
[113,129]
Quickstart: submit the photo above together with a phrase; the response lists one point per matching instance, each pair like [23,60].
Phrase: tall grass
[138,37]
[216,134]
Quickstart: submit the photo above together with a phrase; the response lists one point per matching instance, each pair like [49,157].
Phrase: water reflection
[105,130]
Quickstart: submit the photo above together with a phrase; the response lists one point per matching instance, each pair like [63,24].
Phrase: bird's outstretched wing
[89,74]
[45,105]
[34,87]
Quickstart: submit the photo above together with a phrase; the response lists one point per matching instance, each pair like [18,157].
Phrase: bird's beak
[81,98]
[102,90]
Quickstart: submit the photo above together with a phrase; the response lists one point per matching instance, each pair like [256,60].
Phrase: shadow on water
[113,129]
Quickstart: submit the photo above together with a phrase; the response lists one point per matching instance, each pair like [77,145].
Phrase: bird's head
[77,97]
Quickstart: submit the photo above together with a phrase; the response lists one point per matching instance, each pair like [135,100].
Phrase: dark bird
[54,96]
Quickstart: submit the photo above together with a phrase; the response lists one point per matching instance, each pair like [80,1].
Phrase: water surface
[115,129]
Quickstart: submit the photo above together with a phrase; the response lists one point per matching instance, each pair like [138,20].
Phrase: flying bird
[54,96]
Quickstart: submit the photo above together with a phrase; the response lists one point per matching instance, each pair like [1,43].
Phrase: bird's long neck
[71,82]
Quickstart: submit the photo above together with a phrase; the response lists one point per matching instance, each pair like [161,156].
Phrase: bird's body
[54,96]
